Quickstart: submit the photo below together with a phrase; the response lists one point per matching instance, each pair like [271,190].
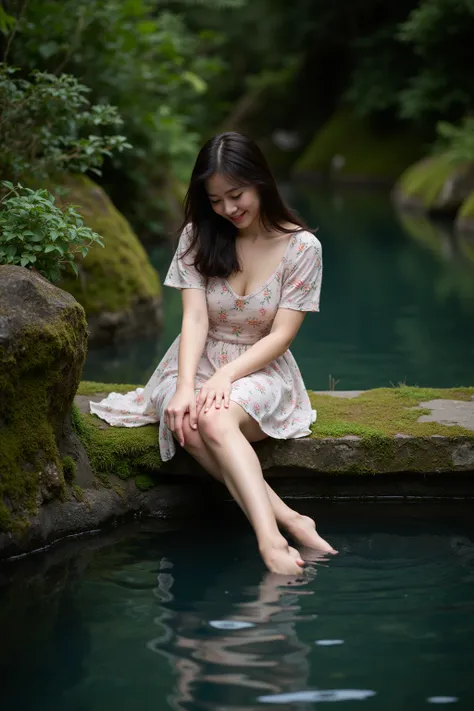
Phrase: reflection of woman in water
[249,270]
[253,651]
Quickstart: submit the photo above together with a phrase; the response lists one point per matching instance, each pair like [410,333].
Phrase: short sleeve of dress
[182,274]
[301,285]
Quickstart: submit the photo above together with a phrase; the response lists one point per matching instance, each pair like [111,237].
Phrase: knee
[192,438]
[213,425]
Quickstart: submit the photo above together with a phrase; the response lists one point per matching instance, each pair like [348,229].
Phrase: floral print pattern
[275,395]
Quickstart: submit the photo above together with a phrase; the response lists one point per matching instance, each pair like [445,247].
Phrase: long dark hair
[213,237]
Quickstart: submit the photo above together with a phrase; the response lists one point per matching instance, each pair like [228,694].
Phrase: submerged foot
[303,530]
[282,558]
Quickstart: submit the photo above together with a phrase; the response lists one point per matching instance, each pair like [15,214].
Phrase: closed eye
[233,197]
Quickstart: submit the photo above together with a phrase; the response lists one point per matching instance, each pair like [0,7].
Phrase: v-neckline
[258,289]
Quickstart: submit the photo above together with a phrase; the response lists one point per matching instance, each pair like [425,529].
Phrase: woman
[249,270]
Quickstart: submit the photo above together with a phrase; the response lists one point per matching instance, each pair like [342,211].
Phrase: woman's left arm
[286,325]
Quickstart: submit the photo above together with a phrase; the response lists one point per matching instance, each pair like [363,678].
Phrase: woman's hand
[183,401]
[217,389]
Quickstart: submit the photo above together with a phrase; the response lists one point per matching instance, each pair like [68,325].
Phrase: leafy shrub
[143,58]
[36,233]
[456,142]
[49,126]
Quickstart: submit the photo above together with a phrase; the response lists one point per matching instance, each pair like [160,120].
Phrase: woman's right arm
[195,325]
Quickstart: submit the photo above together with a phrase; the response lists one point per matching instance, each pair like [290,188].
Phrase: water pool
[183,616]
[394,308]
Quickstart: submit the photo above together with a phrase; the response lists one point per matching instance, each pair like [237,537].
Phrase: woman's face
[240,205]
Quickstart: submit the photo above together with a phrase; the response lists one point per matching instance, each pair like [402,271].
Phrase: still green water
[163,616]
[397,301]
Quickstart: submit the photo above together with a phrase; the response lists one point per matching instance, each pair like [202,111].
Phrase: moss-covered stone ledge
[401,442]
[382,431]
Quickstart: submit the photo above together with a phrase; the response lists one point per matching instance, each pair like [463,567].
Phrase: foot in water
[303,530]
[283,559]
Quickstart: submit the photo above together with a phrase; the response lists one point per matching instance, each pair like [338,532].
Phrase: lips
[238,218]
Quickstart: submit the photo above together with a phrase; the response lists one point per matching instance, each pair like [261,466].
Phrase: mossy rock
[435,185]
[43,338]
[454,250]
[117,286]
[465,219]
[348,147]
[375,420]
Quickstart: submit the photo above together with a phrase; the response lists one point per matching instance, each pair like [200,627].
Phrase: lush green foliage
[419,65]
[178,70]
[48,126]
[142,58]
[34,232]
[456,142]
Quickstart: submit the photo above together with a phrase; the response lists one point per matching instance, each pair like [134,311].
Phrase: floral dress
[274,396]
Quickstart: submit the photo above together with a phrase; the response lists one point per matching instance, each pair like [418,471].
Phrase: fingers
[204,400]
[199,402]
[178,427]
[209,400]
[174,421]
[207,397]
[193,414]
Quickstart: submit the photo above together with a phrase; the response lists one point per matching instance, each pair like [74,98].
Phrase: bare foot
[281,558]
[303,530]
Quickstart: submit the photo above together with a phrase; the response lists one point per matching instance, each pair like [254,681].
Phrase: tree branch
[13,33]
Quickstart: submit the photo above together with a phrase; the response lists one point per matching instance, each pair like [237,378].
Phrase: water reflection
[42,625]
[254,651]
[184,617]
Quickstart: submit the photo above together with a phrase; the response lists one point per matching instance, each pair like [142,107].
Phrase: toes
[296,556]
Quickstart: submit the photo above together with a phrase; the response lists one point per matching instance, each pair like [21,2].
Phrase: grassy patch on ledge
[384,412]
[122,451]
[87,387]
[375,416]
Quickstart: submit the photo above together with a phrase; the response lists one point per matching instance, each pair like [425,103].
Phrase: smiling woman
[248,270]
[240,204]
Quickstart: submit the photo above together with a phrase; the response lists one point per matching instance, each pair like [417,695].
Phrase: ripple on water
[315,695]
[442,699]
[230,624]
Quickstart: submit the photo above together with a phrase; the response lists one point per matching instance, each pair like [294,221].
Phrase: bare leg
[301,528]
[221,430]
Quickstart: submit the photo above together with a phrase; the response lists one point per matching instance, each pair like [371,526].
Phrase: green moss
[383,413]
[122,451]
[465,225]
[89,388]
[375,416]
[114,277]
[37,383]
[456,277]
[78,493]
[425,180]
[145,482]
[467,208]
[69,469]
[429,234]
[367,152]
